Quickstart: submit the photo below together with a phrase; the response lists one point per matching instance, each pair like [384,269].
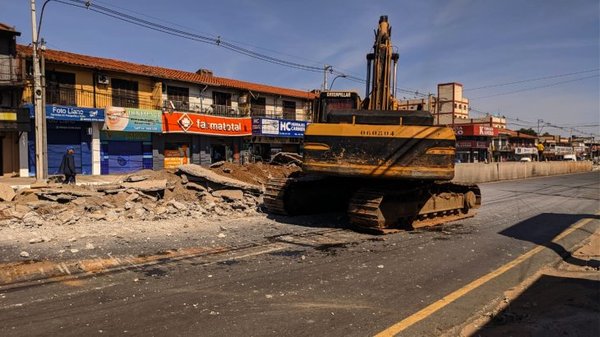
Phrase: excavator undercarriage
[379,206]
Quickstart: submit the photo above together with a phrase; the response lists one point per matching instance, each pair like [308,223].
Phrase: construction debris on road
[191,190]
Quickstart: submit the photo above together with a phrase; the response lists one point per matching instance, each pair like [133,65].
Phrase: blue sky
[474,42]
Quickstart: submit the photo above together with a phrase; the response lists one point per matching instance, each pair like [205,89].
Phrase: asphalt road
[333,283]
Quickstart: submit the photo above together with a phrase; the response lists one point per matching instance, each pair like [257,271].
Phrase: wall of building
[149,92]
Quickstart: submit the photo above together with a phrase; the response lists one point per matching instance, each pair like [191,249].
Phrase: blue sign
[278,127]
[71,113]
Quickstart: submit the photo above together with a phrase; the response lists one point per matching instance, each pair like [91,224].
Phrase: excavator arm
[381,70]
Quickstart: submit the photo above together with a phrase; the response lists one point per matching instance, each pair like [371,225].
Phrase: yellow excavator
[388,168]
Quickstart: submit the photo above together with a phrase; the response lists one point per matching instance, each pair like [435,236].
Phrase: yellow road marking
[435,306]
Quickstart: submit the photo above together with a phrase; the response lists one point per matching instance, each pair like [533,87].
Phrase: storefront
[126,139]
[201,139]
[67,127]
[13,122]
[473,142]
[270,136]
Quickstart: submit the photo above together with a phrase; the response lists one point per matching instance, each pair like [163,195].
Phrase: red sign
[475,130]
[182,122]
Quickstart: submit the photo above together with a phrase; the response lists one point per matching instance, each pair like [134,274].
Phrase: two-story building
[122,116]
[14,121]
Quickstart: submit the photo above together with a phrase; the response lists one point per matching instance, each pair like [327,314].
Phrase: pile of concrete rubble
[191,191]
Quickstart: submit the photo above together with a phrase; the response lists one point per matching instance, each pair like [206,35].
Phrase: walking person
[67,166]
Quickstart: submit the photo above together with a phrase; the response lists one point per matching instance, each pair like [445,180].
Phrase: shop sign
[475,130]
[463,144]
[525,150]
[175,158]
[71,113]
[278,127]
[133,120]
[181,122]
[15,119]
[120,136]
[562,150]
[481,145]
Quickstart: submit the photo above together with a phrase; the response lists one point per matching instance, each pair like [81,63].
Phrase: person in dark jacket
[67,166]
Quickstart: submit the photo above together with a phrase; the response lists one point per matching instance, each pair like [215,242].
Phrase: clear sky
[474,42]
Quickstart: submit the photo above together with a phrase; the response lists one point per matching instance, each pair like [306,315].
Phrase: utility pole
[40,169]
[539,130]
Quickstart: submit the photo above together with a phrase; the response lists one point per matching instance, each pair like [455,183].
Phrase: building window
[289,110]
[60,88]
[124,93]
[178,98]
[258,106]
[221,102]
[455,105]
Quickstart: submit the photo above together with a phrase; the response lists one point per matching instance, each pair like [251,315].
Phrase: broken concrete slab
[286,158]
[217,164]
[208,175]
[136,178]
[6,192]
[158,185]
[62,197]
[108,187]
[196,187]
[229,195]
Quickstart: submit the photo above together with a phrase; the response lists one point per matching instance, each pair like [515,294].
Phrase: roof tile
[107,64]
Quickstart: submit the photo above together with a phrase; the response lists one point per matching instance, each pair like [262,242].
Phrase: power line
[538,87]
[532,80]
[524,123]
[186,35]
[218,41]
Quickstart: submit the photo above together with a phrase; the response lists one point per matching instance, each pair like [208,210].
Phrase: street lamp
[335,78]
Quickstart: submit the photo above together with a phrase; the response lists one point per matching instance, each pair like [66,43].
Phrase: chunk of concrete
[157,185]
[6,192]
[229,195]
[208,175]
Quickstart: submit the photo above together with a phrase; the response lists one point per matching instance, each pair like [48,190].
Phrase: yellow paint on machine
[435,306]
[379,131]
[382,170]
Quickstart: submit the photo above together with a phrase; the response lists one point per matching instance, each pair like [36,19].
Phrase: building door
[124,157]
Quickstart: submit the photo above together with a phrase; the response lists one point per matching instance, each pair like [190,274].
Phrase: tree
[529,131]
[546,134]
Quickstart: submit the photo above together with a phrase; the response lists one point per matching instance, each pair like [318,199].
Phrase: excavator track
[306,194]
[273,198]
[387,209]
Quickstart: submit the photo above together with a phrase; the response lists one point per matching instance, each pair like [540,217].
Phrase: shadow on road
[543,228]
[551,306]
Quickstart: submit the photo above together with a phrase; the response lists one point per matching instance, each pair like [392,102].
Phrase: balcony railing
[212,109]
[10,71]
[85,98]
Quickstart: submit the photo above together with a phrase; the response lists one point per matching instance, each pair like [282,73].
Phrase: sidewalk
[26,182]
